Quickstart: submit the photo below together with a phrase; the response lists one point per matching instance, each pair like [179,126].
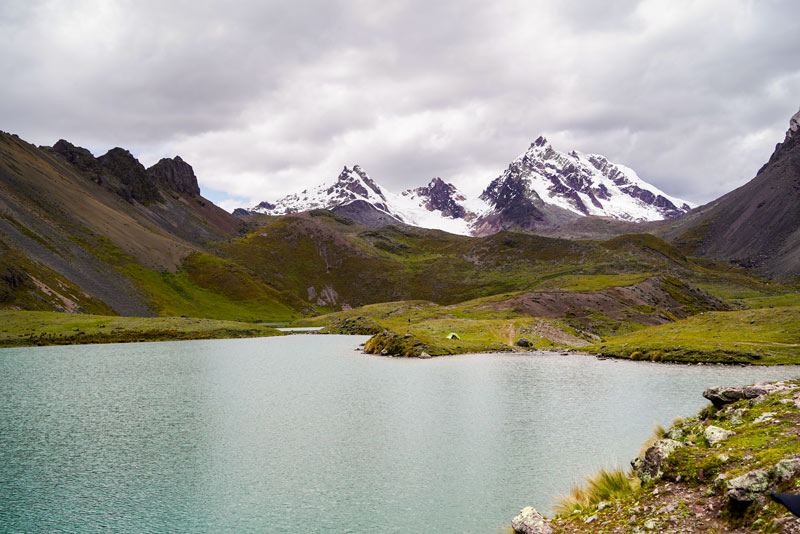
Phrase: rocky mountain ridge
[356,195]
[756,225]
[541,188]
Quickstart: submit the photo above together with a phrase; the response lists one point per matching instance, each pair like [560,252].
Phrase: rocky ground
[711,473]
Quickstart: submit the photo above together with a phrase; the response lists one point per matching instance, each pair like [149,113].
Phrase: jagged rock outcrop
[133,182]
[176,175]
[443,197]
[77,156]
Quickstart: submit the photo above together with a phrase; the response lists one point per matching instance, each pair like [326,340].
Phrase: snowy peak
[585,184]
[440,196]
[351,185]
[439,205]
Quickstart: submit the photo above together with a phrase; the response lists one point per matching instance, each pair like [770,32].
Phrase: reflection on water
[304,432]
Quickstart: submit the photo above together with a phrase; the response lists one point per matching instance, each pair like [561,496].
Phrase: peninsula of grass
[765,336]
[28,328]
[476,327]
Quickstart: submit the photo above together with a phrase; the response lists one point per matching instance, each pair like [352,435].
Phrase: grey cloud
[261,96]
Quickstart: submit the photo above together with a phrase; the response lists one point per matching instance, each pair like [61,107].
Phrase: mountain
[545,188]
[106,235]
[758,224]
[356,196]
[541,189]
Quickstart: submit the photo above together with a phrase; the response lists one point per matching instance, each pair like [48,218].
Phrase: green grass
[762,336]
[592,282]
[172,294]
[773,301]
[25,328]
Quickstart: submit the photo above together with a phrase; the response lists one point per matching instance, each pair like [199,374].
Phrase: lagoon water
[305,434]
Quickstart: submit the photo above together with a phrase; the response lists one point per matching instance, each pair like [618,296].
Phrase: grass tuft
[605,485]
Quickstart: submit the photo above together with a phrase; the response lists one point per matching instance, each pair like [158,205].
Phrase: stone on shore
[524,343]
[715,434]
[649,466]
[529,521]
[721,395]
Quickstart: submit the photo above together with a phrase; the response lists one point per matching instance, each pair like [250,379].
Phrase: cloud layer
[264,98]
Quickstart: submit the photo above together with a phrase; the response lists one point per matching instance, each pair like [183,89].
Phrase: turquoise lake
[305,434]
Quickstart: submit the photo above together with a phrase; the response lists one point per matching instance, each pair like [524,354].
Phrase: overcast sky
[265,98]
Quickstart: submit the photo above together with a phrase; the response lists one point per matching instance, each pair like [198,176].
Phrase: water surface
[303,433]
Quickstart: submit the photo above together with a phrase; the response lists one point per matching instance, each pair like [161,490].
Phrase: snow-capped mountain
[541,188]
[354,194]
[586,184]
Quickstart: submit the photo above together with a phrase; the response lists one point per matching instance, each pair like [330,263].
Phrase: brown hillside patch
[656,300]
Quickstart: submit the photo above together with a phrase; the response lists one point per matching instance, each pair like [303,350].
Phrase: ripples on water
[302,433]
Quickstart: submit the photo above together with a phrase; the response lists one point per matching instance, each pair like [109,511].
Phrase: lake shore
[29,328]
[711,472]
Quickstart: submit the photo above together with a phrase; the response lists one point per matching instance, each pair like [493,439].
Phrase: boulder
[785,469]
[748,487]
[524,343]
[715,434]
[529,521]
[764,417]
[649,466]
[721,395]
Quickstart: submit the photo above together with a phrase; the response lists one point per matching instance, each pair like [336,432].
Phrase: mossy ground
[686,499]
[765,335]
[26,328]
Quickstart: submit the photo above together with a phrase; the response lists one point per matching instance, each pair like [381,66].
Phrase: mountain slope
[105,235]
[758,224]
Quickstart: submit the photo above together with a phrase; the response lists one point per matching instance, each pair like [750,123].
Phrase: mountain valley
[614,256]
